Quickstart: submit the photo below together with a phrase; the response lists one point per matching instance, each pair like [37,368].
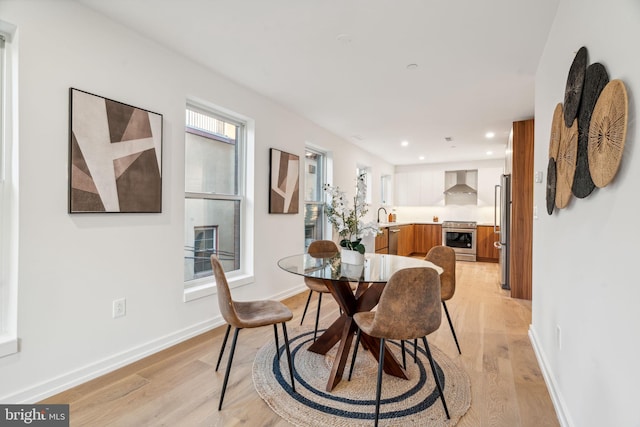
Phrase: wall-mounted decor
[607,133]
[586,145]
[284,182]
[595,80]
[115,156]
[566,164]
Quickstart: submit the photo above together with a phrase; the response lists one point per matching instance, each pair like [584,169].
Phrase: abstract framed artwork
[284,182]
[115,156]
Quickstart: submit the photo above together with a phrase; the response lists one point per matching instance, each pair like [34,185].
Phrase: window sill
[8,345]
[209,288]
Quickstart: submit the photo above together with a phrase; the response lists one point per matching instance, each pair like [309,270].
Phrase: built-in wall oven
[461,236]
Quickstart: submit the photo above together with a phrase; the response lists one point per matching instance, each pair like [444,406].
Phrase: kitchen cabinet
[406,240]
[520,163]
[382,241]
[419,188]
[484,244]
[426,237]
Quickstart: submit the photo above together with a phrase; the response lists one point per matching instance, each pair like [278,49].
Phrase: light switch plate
[538,177]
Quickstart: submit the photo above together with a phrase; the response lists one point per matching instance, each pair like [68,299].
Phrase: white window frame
[205,286]
[8,196]
[326,226]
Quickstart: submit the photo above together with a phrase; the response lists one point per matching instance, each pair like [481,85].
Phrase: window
[214,193]
[314,180]
[366,171]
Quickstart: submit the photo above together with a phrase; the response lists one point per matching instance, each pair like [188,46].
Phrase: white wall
[585,256]
[71,267]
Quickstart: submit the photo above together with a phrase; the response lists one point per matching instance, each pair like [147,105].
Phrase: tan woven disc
[607,133]
[557,124]
[566,164]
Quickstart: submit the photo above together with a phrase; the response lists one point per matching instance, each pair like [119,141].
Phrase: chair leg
[355,352]
[404,355]
[224,344]
[275,334]
[415,350]
[304,313]
[435,376]
[451,325]
[315,331]
[286,344]
[226,374]
[379,386]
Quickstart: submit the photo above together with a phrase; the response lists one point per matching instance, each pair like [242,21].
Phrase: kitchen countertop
[399,223]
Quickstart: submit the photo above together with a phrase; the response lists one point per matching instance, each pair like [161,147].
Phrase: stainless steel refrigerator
[502,226]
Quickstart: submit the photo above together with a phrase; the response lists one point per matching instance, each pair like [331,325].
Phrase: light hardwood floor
[179,387]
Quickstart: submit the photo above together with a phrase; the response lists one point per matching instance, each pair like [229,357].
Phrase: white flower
[347,218]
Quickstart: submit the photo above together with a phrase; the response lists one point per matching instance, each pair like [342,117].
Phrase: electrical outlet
[119,307]
[558,337]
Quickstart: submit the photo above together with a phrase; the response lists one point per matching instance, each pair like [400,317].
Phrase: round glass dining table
[371,277]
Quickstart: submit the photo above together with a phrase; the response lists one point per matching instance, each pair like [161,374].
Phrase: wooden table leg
[343,353]
[391,365]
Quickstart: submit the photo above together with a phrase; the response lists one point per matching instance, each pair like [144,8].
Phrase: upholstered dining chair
[248,314]
[316,285]
[409,308]
[445,257]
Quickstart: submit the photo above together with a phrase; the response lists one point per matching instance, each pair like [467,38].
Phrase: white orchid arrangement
[347,218]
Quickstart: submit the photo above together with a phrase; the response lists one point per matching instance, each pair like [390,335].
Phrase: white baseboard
[556,397]
[93,370]
[88,372]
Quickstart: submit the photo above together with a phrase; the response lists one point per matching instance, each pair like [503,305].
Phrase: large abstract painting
[115,162]
[284,182]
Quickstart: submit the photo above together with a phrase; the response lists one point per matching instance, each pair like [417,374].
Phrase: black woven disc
[595,79]
[573,90]
[551,185]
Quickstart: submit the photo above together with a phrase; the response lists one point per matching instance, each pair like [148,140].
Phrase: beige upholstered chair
[445,257]
[248,314]
[409,308]
[316,285]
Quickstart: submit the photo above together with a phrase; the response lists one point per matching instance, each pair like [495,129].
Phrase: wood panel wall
[521,247]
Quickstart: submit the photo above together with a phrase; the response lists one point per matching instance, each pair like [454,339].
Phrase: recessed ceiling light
[489,153]
[404,143]
[412,67]
[421,158]
[489,135]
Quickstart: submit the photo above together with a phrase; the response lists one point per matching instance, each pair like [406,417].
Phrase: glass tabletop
[376,267]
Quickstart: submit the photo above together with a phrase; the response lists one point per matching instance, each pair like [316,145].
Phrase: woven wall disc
[557,124]
[607,133]
[551,185]
[566,164]
[595,79]
[573,89]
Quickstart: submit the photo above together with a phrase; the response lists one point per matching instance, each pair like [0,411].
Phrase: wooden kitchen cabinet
[485,249]
[382,242]
[406,240]
[426,237]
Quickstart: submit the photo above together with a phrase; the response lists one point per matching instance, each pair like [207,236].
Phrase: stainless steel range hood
[461,185]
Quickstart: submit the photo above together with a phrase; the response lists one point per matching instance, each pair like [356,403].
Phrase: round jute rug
[412,402]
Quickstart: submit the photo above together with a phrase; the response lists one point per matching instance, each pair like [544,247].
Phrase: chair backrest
[225,302]
[322,247]
[409,305]
[445,257]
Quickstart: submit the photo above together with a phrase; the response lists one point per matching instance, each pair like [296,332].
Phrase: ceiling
[375,72]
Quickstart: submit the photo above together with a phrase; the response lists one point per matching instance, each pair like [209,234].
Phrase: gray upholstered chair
[445,257]
[409,308]
[248,314]
[325,247]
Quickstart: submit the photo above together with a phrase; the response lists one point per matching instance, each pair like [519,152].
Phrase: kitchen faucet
[383,209]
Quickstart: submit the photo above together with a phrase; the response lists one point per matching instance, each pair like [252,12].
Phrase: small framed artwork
[115,156]
[284,182]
